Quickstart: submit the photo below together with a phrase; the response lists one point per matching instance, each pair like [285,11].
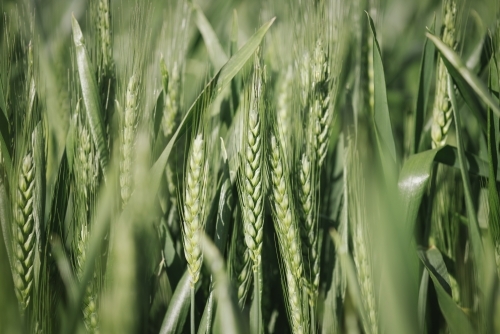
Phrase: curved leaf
[4,148]
[455,317]
[90,95]
[416,172]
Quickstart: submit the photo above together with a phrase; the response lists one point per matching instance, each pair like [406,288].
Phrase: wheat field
[236,166]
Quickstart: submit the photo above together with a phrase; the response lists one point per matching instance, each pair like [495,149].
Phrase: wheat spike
[288,233]
[441,112]
[194,206]
[128,137]
[252,174]
[24,231]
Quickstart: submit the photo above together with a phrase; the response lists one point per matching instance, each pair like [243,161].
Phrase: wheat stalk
[194,202]
[442,114]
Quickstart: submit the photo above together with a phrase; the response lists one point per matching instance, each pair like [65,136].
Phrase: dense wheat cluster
[237,166]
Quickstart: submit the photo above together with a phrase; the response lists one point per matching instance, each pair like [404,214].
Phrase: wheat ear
[193,207]
[24,231]
[288,233]
[252,172]
[442,113]
[128,137]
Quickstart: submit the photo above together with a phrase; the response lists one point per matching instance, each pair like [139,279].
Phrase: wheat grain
[193,207]
[24,232]
[441,111]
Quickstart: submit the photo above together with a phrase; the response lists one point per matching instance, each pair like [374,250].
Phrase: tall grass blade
[381,117]
[424,85]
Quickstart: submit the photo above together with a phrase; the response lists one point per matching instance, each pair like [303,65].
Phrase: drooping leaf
[466,80]
[90,95]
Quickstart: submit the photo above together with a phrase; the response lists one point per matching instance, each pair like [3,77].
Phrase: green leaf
[434,262]
[456,319]
[90,95]
[215,52]
[178,308]
[424,85]
[474,234]
[416,171]
[229,314]
[381,117]
[422,300]
[493,199]
[350,274]
[9,317]
[464,78]
[5,215]
[233,47]
[224,212]
[5,151]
